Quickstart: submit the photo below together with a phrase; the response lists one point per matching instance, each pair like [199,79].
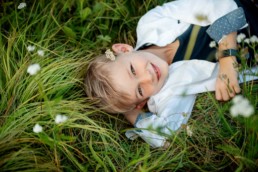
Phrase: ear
[121,48]
[140,105]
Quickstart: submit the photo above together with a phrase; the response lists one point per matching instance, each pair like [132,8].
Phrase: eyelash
[134,73]
[132,70]
[140,91]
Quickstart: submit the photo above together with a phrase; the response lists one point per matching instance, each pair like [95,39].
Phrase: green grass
[71,33]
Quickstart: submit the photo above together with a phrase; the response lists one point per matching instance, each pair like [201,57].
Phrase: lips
[157,71]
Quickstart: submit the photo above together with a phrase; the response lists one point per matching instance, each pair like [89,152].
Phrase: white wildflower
[240,37]
[241,106]
[31,48]
[237,99]
[247,40]
[254,39]
[60,119]
[110,55]
[33,69]
[37,128]
[189,131]
[41,53]
[212,44]
[248,111]
[234,110]
[22,5]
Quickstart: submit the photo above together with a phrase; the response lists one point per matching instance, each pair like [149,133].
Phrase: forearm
[227,83]
[228,42]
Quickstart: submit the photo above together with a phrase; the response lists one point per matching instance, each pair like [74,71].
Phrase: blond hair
[99,87]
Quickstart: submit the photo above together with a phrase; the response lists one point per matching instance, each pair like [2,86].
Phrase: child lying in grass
[125,80]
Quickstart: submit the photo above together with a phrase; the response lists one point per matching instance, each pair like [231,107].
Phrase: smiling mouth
[157,71]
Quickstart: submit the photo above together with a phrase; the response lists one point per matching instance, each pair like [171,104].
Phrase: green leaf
[233,150]
[68,138]
[69,32]
[105,38]
[44,138]
[85,13]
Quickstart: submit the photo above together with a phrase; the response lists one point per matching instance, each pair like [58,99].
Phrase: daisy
[31,48]
[22,5]
[254,39]
[41,53]
[241,106]
[212,44]
[247,40]
[33,69]
[60,119]
[240,37]
[189,131]
[37,128]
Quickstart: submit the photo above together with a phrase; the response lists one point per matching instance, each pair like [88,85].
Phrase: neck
[166,53]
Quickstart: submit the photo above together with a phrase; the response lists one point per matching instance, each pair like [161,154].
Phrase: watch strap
[229,52]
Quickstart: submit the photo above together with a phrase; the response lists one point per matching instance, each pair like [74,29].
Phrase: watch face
[225,53]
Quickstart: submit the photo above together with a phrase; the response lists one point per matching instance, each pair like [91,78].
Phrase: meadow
[47,123]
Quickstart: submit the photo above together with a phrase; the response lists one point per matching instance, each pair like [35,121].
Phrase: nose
[146,77]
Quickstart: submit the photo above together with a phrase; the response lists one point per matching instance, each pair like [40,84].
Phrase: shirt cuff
[230,22]
[140,117]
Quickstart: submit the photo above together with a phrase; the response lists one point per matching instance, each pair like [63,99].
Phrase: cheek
[150,90]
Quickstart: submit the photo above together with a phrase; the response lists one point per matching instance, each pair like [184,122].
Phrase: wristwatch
[227,53]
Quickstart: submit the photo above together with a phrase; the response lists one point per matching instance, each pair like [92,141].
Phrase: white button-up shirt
[173,105]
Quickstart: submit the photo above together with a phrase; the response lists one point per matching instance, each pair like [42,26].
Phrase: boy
[126,84]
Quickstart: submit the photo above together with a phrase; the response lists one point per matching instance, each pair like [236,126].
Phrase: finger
[231,95]
[231,92]
[218,95]
[225,94]
[237,88]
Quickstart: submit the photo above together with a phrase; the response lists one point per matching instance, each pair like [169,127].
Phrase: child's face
[140,74]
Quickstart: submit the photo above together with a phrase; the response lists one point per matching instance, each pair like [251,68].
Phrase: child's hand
[227,83]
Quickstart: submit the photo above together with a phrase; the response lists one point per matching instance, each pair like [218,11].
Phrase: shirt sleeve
[154,129]
[146,129]
[226,24]
[163,24]
[198,12]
